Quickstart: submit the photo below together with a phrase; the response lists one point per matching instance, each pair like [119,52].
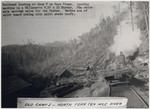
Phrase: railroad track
[121,83]
[136,99]
[140,95]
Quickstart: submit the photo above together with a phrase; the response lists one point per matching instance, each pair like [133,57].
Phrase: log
[118,83]
[118,72]
[60,89]
[105,70]
[65,92]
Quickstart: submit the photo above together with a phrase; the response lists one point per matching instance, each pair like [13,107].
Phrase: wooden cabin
[13,87]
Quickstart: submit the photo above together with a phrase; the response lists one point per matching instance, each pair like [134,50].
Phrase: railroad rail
[135,98]
[120,82]
[140,95]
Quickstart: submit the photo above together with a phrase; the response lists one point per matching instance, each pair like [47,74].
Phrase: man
[121,60]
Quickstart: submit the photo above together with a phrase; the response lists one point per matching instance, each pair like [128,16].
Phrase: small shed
[12,84]
[13,87]
[64,73]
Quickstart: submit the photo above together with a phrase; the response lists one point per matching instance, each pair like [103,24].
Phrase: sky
[44,30]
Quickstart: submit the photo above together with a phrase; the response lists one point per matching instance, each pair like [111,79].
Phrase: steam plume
[126,40]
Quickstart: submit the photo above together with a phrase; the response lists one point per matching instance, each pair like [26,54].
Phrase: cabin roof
[13,84]
[61,71]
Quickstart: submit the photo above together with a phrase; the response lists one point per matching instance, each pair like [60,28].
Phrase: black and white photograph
[74,50]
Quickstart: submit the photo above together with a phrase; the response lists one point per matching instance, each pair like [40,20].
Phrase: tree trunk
[145,15]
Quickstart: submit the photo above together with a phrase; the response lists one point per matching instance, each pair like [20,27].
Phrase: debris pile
[60,90]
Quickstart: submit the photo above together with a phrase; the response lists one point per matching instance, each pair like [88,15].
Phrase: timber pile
[62,90]
[70,90]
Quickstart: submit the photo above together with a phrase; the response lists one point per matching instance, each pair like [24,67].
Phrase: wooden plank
[114,81]
[118,83]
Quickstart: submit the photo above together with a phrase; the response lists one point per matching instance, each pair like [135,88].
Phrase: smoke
[126,40]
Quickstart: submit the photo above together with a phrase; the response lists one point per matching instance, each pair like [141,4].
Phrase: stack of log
[62,90]
[70,90]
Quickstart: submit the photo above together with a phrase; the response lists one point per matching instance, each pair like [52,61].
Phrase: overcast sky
[43,30]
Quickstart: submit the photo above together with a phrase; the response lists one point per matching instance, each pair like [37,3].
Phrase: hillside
[39,64]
